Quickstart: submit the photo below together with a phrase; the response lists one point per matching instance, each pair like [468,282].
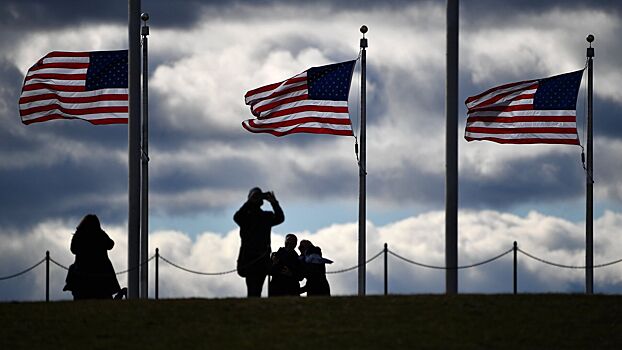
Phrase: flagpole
[451,150]
[589,205]
[134,148]
[144,202]
[362,167]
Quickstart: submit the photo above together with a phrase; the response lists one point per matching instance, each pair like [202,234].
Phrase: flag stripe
[296,121]
[74,111]
[517,130]
[58,66]
[532,139]
[95,119]
[68,99]
[42,77]
[304,128]
[307,108]
[526,119]
[57,87]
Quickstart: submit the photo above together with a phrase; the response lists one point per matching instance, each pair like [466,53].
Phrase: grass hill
[377,322]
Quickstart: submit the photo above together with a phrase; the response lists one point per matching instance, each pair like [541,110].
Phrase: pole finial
[363,39]
[364,29]
[590,39]
[144,16]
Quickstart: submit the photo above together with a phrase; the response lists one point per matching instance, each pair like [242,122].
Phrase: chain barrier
[22,272]
[198,272]
[59,264]
[568,266]
[355,266]
[117,273]
[451,268]
[215,273]
[136,267]
[330,272]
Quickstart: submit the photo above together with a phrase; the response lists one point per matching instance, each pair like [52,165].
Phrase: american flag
[314,101]
[533,111]
[91,86]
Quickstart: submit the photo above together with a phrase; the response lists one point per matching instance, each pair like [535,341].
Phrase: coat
[92,274]
[255,229]
[281,283]
[315,272]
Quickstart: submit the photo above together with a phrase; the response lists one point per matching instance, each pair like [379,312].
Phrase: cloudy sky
[204,55]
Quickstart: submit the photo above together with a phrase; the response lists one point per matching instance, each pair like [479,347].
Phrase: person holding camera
[254,261]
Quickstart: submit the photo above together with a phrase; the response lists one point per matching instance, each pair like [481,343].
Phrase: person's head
[290,241]
[89,223]
[304,246]
[255,196]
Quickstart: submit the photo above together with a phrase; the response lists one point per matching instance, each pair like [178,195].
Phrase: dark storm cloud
[34,190]
[487,11]
[36,14]
[548,178]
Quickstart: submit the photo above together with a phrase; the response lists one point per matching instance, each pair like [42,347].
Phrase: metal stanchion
[386,269]
[157,260]
[515,284]
[47,276]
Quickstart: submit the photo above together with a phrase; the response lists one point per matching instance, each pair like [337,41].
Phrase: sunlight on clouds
[83,38]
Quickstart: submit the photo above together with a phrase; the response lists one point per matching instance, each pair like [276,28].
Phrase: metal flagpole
[144,202]
[451,151]
[133,246]
[589,205]
[362,168]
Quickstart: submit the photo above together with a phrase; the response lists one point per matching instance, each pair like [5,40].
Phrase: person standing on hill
[92,275]
[255,228]
[314,267]
[286,269]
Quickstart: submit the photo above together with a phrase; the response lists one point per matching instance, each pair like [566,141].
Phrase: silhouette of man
[255,226]
[286,269]
[92,275]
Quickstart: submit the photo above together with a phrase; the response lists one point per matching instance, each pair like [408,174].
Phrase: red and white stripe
[505,114]
[55,89]
[285,108]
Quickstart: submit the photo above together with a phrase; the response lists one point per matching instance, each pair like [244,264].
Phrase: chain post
[157,260]
[386,269]
[47,276]
[515,279]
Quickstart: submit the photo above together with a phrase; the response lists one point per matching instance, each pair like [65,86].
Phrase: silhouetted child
[92,276]
[314,267]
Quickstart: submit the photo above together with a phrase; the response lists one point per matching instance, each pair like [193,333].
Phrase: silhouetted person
[92,276]
[255,226]
[286,269]
[314,267]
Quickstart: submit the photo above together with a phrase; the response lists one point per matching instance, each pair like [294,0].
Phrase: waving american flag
[91,86]
[532,111]
[314,101]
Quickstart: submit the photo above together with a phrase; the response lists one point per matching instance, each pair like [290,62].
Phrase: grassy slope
[394,322]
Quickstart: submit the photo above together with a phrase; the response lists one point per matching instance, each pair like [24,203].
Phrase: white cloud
[483,235]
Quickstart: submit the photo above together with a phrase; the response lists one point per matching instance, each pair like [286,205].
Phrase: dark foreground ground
[394,322]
